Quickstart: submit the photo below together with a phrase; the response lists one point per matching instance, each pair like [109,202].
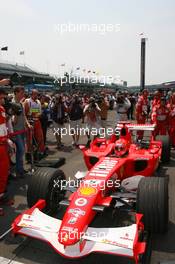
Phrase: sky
[34,26]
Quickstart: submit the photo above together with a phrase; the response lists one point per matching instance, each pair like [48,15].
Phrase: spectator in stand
[92,118]
[58,116]
[20,123]
[75,115]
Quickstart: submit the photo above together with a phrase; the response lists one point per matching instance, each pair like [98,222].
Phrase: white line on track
[9,261]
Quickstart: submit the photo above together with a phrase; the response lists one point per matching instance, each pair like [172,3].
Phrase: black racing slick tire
[152,202]
[46,184]
[166,148]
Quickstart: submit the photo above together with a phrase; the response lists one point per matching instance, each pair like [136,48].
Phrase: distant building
[163,86]
[27,75]
[45,82]
[169,85]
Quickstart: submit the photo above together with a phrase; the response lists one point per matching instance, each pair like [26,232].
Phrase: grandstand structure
[166,86]
[44,82]
[28,77]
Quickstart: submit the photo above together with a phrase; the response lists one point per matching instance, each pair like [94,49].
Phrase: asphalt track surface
[26,250]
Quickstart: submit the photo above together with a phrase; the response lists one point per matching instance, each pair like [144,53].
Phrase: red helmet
[121,148]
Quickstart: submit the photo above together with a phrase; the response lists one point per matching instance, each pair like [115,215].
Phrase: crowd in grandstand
[27,117]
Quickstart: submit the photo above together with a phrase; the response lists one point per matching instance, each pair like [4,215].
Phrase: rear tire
[166,148]
[46,184]
[152,202]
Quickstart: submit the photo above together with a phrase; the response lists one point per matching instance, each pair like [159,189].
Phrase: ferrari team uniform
[141,113]
[160,117]
[155,103]
[4,157]
[172,124]
[34,113]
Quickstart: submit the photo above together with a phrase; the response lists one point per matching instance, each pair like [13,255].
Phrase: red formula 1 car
[117,178]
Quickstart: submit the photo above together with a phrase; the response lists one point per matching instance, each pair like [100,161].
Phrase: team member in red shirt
[172,119]
[156,100]
[142,111]
[160,117]
[4,157]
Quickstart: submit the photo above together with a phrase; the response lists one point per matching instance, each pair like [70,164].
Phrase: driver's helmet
[121,148]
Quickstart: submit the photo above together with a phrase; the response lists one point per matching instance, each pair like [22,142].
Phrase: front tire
[46,184]
[152,202]
[166,148]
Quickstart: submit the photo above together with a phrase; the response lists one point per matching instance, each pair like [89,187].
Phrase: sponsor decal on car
[114,243]
[142,158]
[28,218]
[65,237]
[126,237]
[76,212]
[81,201]
[70,230]
[26,221]
[72,220]
[92,182]
[47,227]
[104,168]
[67,228]
[23,225]
[87,191]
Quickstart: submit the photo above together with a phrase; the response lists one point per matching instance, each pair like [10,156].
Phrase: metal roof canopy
[9,69]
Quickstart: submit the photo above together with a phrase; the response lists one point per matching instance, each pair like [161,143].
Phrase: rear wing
[144,127]
[136,127]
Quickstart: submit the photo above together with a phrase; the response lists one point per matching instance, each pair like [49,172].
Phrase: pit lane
[25,250]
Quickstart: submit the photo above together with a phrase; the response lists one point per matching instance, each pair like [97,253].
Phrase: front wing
[122,241]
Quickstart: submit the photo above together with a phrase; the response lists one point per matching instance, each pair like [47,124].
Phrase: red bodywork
[139,160]
[95,188]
